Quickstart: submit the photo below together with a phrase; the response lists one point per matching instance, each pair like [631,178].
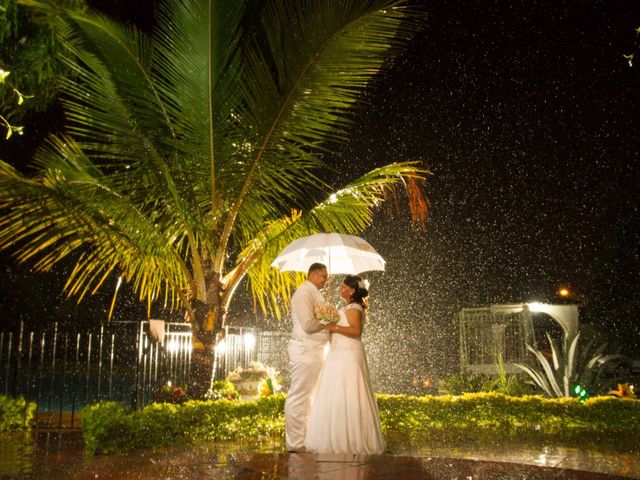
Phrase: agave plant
[567,367]
[193,155]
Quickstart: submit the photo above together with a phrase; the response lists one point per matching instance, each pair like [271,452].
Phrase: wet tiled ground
[53,456]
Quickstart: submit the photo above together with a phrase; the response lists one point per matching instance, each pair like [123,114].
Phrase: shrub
[495,416]
[461,383]
[108,427]
[222,389]
[171,394]
[16,413]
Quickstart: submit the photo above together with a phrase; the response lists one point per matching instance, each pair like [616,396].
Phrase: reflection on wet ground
[54,455]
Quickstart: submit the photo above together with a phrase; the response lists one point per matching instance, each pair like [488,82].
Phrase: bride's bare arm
[354,317]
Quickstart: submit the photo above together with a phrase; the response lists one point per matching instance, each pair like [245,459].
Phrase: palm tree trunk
[208,331]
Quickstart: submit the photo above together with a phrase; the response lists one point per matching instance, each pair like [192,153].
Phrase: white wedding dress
[344,414]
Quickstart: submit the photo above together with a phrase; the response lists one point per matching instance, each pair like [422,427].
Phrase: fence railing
[242,345]
[63,368]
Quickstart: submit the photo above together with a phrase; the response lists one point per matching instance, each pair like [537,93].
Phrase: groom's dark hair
[316,266]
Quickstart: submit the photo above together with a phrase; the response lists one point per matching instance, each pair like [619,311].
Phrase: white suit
[306,349]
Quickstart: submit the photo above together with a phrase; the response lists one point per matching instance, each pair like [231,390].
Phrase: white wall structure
[494,330]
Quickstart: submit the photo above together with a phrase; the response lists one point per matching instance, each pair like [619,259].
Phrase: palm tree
[193,156]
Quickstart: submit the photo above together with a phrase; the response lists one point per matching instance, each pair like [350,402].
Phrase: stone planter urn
[247,389]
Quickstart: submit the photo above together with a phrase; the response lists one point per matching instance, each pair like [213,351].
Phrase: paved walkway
[60,457]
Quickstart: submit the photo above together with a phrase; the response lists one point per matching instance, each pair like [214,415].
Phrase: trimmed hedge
[494,416]
[109,428]
[16,413]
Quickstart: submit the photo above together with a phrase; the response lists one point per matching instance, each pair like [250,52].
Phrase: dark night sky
[528,115]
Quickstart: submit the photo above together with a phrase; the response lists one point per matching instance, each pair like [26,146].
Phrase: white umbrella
[342,254]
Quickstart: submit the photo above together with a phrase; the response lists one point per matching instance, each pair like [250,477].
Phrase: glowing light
[563,292]
[249,340]
[581,393]
[536,307]
[221,347]
[333,198]
[174,346]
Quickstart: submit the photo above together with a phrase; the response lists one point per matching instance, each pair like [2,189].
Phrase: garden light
[580,392]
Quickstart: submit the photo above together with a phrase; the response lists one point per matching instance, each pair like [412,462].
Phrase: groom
[306,352]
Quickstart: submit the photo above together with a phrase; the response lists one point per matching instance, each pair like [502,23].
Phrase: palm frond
[89,221]
[347,210]
[200,145]
[318,65]
[326,55]
[199,77]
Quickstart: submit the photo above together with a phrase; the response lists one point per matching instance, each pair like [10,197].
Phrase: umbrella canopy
[342,254]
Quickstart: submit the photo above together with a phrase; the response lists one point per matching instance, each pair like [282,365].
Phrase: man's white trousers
[305,362]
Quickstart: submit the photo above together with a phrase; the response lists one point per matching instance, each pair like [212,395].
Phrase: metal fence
[63,368]
[243,345]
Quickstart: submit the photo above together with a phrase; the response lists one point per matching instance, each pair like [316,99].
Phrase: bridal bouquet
[326,313]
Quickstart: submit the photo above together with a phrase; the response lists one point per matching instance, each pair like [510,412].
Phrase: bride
[344,414]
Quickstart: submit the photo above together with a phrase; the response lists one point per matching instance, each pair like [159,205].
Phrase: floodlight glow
[221,347]
[536,307]
[249,340]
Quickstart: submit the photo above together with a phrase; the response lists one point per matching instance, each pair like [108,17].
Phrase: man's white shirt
[305,325]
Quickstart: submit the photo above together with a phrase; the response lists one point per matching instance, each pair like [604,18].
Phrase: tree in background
[30,67]
[193,156]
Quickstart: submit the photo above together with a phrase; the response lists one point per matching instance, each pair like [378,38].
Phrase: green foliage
[459,383]
[222,389]
[493,416]
[194,155]
[506,384]
[29,49]
[567,367]
[172,394]
[16,413]
[109,428]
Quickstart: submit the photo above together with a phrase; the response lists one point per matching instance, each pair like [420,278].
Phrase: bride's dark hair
[361,294]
